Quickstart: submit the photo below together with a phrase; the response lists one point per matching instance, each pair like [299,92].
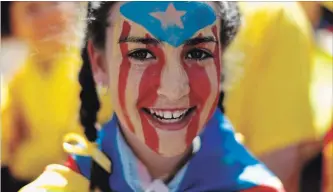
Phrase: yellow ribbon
[78,145]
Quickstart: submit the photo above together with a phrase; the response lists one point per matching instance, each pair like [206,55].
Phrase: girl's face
[46,26]
[162,62]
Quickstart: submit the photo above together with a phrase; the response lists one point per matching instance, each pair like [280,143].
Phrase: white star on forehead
[170,17]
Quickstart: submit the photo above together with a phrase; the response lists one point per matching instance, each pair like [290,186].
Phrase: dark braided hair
[89,98]
[96,32]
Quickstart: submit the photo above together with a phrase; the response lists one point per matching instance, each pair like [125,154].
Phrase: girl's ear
[98,65]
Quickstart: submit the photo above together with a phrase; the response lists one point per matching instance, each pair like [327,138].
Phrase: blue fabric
[220,161]
[110,147]
[221,164]
[84,164]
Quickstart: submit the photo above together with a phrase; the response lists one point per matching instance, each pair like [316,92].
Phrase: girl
[162,64]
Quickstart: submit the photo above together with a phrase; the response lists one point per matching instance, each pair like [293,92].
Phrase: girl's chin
[170,153]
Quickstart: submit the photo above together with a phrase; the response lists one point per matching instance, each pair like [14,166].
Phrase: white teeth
[167,115]
[176,114]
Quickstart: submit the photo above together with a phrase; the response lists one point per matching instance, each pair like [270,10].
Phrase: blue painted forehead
[171,22]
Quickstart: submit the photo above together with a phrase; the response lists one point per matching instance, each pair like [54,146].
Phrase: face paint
[172,22]
[148,86]
[169,71]
[124,70]
[201,85]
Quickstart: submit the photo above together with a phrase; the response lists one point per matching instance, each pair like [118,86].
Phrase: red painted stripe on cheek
[200,89]
[123,73]
[149,84]
[199,93]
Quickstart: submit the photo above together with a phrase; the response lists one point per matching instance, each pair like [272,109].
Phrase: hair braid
[89,99]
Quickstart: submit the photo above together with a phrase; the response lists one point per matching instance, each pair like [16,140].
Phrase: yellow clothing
[285,92]
[58,178]
[48,106]
[41,109]
[3,100]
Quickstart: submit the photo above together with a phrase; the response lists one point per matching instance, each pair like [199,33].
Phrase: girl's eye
[198,54]
[141,54]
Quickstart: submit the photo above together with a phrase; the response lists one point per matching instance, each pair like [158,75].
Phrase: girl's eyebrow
[141,40]
[198,40]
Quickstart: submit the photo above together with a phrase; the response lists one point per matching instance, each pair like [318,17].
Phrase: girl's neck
[159,167]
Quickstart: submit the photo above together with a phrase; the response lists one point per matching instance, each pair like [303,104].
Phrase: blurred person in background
[42,99]
[283,102]
[43,96]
